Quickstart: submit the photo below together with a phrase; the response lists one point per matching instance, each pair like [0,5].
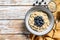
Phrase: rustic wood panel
[13,37]
[21,2]
[14,9]
[12,26]
[13,12]
[13,30]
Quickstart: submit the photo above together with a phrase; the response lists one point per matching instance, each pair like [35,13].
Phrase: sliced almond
[39,38]
[48,38]
[58,25]
[57,34]
[50,34]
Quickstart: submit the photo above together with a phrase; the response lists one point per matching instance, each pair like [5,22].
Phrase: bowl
[50,17]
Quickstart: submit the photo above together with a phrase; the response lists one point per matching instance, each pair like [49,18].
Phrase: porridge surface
[45,18]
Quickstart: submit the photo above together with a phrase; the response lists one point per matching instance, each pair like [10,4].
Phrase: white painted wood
[13,12]
[13,37]
[21,2]
[12,27]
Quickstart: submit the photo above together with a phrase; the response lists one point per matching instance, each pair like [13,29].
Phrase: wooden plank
[13,12]
[14,37]
[21,2]
[12,27]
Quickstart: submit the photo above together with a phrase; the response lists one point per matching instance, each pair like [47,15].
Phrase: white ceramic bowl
[50,16]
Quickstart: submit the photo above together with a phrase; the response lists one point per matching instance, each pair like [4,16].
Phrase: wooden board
[11,26]
[14,28]
[13,37]
[21,2]
[13,12]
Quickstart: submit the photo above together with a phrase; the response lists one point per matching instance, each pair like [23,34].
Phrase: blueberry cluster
[38,21]
[39,3]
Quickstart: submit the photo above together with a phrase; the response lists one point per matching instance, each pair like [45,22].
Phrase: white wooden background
[12,14]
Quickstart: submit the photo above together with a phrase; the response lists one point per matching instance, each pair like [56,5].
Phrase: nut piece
[32,36]
[52,6]
[58,38]
[50,34]
[57,1]
[58,15]
[48,38]
[39,38]
[57,34]
[58,25]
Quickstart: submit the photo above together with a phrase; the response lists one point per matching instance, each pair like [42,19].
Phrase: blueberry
[41,21]
[39,3]
[38,21]
[34,4]
[36,1]
[42,0]
[38,24]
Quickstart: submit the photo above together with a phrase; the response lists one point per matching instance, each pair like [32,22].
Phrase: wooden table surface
[12,14]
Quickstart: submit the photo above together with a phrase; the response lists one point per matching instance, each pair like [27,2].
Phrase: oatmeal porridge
[38,21]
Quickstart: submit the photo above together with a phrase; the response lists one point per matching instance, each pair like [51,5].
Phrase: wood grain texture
[13,37]
[12,26]
[15,27]
[13,30]
[14,9]
[13,12]
[21,2]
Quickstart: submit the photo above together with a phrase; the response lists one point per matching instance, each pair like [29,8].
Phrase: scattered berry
[34,4]
[36,1]
[44,2]
[39,3]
